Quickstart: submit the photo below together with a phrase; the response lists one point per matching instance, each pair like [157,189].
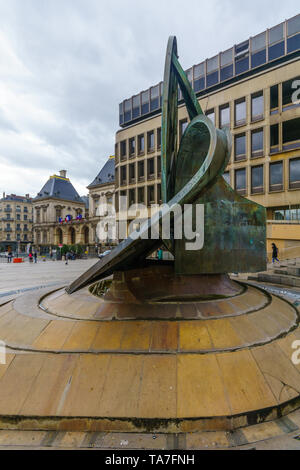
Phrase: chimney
[3,195]
[27,196]
[63,173]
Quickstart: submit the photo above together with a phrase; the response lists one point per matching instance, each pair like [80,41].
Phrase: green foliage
[65,249]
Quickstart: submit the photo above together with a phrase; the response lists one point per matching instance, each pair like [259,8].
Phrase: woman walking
[274,253]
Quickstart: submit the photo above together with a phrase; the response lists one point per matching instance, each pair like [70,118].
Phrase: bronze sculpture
[234,227]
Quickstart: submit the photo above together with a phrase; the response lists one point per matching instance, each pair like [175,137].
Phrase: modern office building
[15,223]
[253,88]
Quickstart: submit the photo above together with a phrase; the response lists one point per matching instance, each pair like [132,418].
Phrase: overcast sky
[66,64]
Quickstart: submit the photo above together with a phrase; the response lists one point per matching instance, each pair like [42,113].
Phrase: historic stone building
[15,222]
[101,191]
[60,215]
[254,89]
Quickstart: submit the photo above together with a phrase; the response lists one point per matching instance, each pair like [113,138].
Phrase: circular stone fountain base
[156,363]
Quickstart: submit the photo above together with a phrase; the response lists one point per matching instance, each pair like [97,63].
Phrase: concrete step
[287,280]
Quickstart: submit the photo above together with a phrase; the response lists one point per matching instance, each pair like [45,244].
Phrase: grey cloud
[80,58]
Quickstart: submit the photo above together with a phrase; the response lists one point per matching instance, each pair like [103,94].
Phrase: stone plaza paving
[18,277]
[68,359]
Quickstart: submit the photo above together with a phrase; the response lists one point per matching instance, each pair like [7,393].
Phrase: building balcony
[8,219]
[7,230]
[7,209]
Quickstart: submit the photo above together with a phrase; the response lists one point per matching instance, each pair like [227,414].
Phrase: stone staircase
[285,274]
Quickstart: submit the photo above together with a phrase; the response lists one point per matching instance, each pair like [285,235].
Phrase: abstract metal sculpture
[234,227]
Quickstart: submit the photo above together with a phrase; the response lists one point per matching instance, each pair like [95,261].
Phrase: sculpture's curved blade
[130,251]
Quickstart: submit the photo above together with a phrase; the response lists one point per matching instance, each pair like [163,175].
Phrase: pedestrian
[67,258]
[9,257]
[274,253]
[35,256]
[160,254]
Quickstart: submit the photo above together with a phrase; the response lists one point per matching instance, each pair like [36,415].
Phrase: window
[25,237]
[141,171]
[293,32]
[127,110]
[274,99]
[131,196]
[276,176]
[141,195]
[159,166]
[226,177]
[240,112]
[57,212]
[38,216]
[226,59]
[257,106]
[274,138]
[257,179]
[132,146]
[154,103]
[145,102]
[123,175]
[121,114]
[287,92]
[150,141]
[211,115]
[294,173]
[225,115]
[159,138]
[257,143]
[132,173]
[291,134]
[240,147]
[136,111]
[150,168]
[212,76]
[150,191]
[276,42]
[123,149]
[18,217]
[199,77]
[240,180]
[159,200]
[25,217]
[8,236]
[182,127]
[141,144]
[258,50]
[241,52]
